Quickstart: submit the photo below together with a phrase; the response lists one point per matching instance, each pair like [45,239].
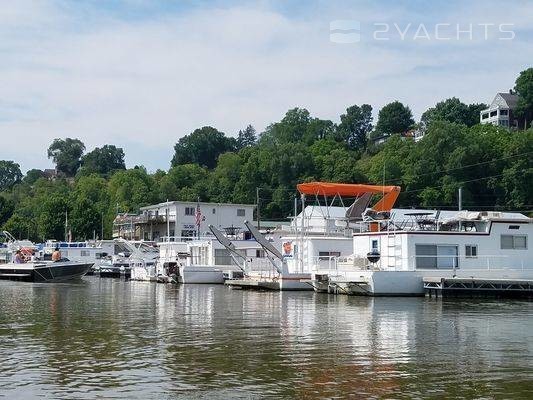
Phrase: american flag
[198,214]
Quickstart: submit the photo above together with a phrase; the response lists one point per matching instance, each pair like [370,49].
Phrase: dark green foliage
[453,110]
[355,126]
[9,174]
[103,160]
[247,137]
[66,154]
[202,147]
[394,118]
[524,88]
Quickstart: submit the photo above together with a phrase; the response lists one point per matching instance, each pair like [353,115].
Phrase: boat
[413,252]
[203,260]
[44,271]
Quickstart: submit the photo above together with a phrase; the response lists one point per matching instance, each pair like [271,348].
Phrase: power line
[464,166]
[459,183]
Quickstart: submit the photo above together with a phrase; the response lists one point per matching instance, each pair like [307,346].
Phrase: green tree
[524,89]
[52,217]
[32,175]
[6,209]
[355,126]
[103,160]
[132,188]
[9,174]
[394,118]
[85,219]
[66,154]
[246,137]
[202,147]
[224,177]
[185,182]
[453,110]
[21,227]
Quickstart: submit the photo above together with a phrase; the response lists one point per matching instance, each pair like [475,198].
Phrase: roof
[510,99]
[398,214]
[202,203]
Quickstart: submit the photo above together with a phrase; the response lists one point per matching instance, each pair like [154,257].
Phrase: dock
[477,287]
[254,284]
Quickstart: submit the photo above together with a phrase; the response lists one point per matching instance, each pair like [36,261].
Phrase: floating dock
[256,284]
[477,287]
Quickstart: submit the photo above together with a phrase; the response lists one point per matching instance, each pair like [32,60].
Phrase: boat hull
[200,274]
[44,272]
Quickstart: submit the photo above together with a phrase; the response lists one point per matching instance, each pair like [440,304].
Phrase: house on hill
[501,112]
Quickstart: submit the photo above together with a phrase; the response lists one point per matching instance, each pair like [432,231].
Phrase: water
[105,338]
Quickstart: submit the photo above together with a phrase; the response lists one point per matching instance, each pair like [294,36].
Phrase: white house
[178,219]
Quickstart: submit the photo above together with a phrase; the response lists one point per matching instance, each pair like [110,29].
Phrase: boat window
[513,242]
[85,253]
[325,255]
[432,256]
[514,226]
[471,251]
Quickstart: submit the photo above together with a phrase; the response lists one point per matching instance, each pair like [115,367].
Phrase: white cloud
[143,83]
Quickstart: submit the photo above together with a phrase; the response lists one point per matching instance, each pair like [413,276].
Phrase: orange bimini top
[390,193]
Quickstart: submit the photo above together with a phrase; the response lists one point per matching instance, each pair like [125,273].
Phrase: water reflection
[109,338]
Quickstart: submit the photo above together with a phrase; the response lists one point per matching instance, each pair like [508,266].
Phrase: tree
[6,209]
[453,110]
[32,175]
[66,154]
[355,126]
[246,137]
[524,89]
[394,118]
[9,174]
[85,219]
[202,147]
[51,217]
[132,188]
[103,160]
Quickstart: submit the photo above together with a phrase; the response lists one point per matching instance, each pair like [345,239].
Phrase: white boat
[203,260]
[417,248]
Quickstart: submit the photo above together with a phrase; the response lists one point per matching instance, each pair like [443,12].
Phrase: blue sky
[140,74]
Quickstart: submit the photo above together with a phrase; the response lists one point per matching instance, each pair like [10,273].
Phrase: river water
[107,338]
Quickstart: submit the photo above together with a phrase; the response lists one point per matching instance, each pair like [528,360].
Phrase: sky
[140,74]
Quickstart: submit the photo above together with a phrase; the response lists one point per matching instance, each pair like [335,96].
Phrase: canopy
[390,193]
[343,189]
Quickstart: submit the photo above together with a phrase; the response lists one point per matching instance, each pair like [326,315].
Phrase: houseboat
[417,250]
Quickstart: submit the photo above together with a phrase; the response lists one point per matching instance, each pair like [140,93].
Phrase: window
[504,122]
[513,242]
[259,253]
[85,253]
[484,115]
[187,233]
[494,113]
[189,211]
[471,251]
[241,212]
[374,245]
[514,226]
[432,256]
[504,112]
[214,210]
[326,255]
